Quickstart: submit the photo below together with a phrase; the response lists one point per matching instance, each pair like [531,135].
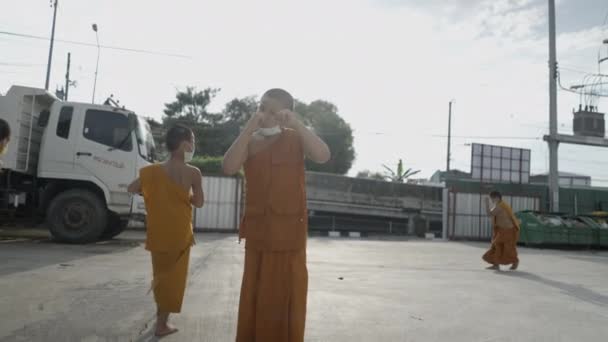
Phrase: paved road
[360,290]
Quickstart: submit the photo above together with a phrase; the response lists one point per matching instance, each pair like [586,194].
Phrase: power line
[23,35]
[581,92]
[489,137]
[580,71]
[20,64]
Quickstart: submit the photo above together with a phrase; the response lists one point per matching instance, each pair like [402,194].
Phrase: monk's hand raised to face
[254,122]
[287,118]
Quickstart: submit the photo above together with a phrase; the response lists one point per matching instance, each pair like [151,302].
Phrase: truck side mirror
[43,118]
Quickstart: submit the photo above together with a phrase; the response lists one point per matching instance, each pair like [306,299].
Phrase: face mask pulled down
[269,131]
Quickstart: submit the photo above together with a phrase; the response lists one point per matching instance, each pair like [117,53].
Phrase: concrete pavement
[360,290]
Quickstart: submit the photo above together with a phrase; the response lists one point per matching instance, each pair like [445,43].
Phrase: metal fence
[466,216]
[222,209]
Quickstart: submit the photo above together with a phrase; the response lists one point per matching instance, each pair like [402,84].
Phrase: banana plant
[399,175]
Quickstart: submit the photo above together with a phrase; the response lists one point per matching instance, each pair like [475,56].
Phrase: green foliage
[191,106]
[371,175]
[208,165]
[215,132]
[322,117]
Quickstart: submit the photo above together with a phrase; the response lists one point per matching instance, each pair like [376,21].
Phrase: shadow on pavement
[576,291]
[27,255]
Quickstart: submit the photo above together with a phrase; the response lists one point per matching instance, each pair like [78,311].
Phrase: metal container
[558,230]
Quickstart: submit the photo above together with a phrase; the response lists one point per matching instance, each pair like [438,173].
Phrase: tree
[399,175]
[322,117]
[238,111]
[371,175]
[235,115]
[191,106]
[215,132]
[190,109]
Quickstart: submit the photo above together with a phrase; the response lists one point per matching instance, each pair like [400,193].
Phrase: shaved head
[279,99]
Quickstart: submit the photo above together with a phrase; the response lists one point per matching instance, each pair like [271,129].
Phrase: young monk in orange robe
[170,190]
[505,234]
[272,147]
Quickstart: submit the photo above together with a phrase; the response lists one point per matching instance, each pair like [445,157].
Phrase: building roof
[563,174]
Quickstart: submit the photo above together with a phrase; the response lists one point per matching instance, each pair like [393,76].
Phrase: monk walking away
[170,189]
[272,147]
[505,233]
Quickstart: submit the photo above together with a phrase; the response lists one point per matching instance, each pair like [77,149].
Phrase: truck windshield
[145,140]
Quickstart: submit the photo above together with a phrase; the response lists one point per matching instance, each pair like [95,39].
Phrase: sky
[390,66]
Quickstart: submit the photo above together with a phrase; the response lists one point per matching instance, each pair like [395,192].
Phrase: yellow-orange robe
[503,250]
[169,235]
[275,280]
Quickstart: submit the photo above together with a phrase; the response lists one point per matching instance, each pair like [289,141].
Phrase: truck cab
[72,162]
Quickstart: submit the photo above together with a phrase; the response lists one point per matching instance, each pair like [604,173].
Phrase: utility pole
[449,137]
[67,78]
[48,67]
[553,139]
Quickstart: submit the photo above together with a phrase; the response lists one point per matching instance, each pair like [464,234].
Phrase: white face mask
[269,131]
[189,155]
[3,146]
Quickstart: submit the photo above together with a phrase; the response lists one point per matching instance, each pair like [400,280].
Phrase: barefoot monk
[170,190]
[505,233]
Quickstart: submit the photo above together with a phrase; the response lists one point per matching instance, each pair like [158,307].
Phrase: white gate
[465,217]
[222,209]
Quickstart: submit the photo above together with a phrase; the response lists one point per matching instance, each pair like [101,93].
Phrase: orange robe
[275,226]
[503,250]
[169,235]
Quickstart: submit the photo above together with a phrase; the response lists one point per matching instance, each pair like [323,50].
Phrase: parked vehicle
[70,163]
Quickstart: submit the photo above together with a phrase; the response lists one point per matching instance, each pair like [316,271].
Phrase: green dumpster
[532,231]
[581,232]
[542,229]
[599,222]
[555,229]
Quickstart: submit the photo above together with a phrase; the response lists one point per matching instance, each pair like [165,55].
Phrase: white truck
[70,164]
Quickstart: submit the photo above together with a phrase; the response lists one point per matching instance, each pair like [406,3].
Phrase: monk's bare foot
[514,266]
[165,330]
[493,267]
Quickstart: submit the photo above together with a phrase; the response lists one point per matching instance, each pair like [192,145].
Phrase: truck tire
[115,226]
[77,216]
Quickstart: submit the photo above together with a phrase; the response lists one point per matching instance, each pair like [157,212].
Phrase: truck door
[56,158]
[107,152]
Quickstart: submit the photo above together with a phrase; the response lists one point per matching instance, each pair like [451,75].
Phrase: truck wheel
[115,226]
[77,216]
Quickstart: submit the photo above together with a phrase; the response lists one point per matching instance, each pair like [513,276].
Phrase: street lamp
[97,66]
